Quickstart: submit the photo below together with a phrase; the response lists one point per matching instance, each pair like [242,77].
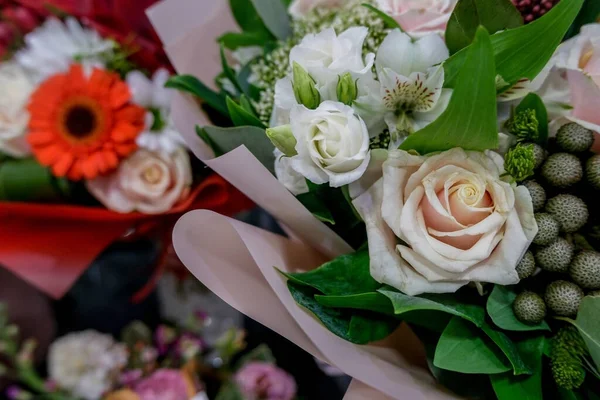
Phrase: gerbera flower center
[80,121]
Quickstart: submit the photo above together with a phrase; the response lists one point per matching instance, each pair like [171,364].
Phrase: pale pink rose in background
[419,17]
[457,220]
[164,384]
[259,380]
[147,182]
[299,8]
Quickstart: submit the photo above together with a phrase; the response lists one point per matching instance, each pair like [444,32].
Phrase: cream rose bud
[147,182]
[292,180]
[455,219]
[16,89]
[332,143]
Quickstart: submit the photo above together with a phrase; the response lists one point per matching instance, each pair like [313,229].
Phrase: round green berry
[563,298]
[562,170]
[585,269]
[548,229]
[570,211]
[538,194]
[555,257]
[526,267]
[592,171]
[539,155]
[529,308]
[574,138]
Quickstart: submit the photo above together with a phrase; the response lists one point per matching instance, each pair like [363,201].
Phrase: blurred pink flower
[130,377]
[189,346]
[164,337]
[419,17]
[260,380]
[164,384]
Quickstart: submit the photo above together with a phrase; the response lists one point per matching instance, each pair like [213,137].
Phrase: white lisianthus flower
[436,223]
[325,56]
[52,47]
[146,181]
[16,86]
[159,133]
[419,17]
[332,143]
[86,364]
[292,180]
[410,94]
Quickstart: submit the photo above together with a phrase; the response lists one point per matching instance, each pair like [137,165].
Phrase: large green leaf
[588,323]
[508,348]
[510,387]
[27,180]
[191,84]
[468,15]
[499,308]
[522,52]
[374,301]
[348,274]
[248,18]
[470,119]
[241,117]
[234,40]
[352,326]
[449,304]
[275,17]
[465,348]
[533,102]
[227,139]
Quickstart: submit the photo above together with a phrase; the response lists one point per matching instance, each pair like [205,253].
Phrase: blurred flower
[164,384]
[128,378]
[419,17]
[82,126]
[25,355]
[159,133]
[22,18]
[86,363]
[259,380]
[147,182]
[189,346]
[149,355]
[14,392]
[123,394]
[55,45]
[16,86]
[164,337]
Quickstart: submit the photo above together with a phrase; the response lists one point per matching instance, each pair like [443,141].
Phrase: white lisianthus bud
[304,87]
[283,138]
[347,89]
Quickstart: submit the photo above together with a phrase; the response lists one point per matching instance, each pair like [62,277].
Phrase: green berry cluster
[566,353]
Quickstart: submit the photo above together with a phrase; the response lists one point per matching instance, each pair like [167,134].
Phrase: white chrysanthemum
[54,46]
[86,363]
[159,133]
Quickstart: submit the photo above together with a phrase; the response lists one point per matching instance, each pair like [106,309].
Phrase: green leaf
[499,308]
[590,13]
[509,349]
[275,17]
[464,348]
[353,327]
[247,17]
[374,301]
[241,117]
[234,40]
[510,387]
[228,71]
[348,274]
[522,52]
[389,22]
[315,205]
[445,303]
[588,323]
[534,102]
[191,84]
[246,105]
[468,15]
[260,353]
[227,139]
[229,391]
[470,119]
[26,180]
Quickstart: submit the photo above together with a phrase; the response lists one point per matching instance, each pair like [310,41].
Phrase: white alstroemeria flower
[159,133]
[55,45]
[332,143]
[325,56]
[410,94]
[292,180]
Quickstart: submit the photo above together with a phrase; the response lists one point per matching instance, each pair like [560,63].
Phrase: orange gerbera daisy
[82,126]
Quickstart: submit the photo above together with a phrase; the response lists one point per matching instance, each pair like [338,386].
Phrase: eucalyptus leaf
[499,308]
[509,387]
[470,119]
[533,102]
[465,348]
[522,52]
[247,17]
[445,303]
[241,117]
[390,22]
[191,84]
[588,323]
[468,15]
[275,17]
[255,139]
[354,327]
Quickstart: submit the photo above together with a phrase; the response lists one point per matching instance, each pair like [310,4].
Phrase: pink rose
[419,17]
[260,380]
[164,384]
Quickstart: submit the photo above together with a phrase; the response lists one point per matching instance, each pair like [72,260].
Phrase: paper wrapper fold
[236,261]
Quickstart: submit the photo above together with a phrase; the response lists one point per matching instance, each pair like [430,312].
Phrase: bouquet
[171,362]
[446,154]
[86,138]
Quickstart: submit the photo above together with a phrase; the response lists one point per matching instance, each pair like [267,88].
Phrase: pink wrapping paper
[236,261]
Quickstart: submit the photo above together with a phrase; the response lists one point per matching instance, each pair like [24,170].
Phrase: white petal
[397,52]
